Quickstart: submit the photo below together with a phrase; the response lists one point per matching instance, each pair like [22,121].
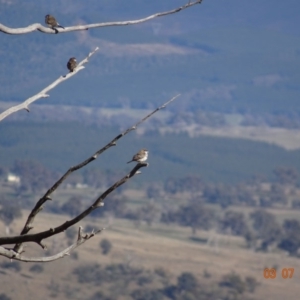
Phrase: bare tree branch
[39,204]
[44,29]
[43,93]
[39,237]
[10,253]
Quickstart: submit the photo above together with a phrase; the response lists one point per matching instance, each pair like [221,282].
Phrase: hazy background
[220,199]
[239,59]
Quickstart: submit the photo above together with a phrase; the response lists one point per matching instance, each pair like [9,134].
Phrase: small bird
[52,23]
[72,64]
[141,156]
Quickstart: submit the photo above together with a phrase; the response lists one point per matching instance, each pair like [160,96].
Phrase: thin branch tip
[43,93]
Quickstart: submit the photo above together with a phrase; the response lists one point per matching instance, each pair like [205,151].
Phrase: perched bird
[52,23]
[72,64]
[141,156]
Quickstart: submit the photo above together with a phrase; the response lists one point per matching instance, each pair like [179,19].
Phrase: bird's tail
[60,26]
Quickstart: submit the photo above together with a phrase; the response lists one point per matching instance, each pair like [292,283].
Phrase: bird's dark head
[47,17]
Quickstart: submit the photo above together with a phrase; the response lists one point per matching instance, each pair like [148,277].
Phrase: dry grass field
[164,246]
[288,139]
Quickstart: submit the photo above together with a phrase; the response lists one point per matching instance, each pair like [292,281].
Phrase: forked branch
[43,93]
[10,253]
[39,204]
[39,237]
[41,28]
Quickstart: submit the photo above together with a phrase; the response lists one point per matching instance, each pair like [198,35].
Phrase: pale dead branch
[43,93]
[41,28]
[11,254]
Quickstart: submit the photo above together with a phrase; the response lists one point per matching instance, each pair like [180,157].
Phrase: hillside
[247,61]
[59,145]
[146,248]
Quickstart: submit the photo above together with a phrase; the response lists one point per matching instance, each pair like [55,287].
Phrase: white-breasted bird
[141,156]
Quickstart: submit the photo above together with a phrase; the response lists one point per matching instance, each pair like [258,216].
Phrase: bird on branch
[52,23]
[72,64]
[141,156]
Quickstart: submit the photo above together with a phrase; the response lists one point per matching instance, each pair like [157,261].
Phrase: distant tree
[286,175]
[251,239]
[94,177]
[251,284]
[234,282]
[106,246]
[196,216]
[277,193]
[189,183]
[153,191]
[116,205]
[245,194]
[36,268]
[291,238]
[13,265]
[296,204]
[235,221]
[169,217]
[149,213]
[187,288]
[73,206]
[220,194]
[266,227]
[265,201]
[34,176]
[187,282]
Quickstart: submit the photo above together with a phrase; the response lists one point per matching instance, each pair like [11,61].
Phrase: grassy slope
[148,247]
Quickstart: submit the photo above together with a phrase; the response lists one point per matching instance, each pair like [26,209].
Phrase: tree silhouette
[106,246]
[290,241]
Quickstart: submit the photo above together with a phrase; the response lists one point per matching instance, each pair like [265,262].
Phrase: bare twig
[39,204]
[39,237]
[43,93]
[10,253]
[44,29]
